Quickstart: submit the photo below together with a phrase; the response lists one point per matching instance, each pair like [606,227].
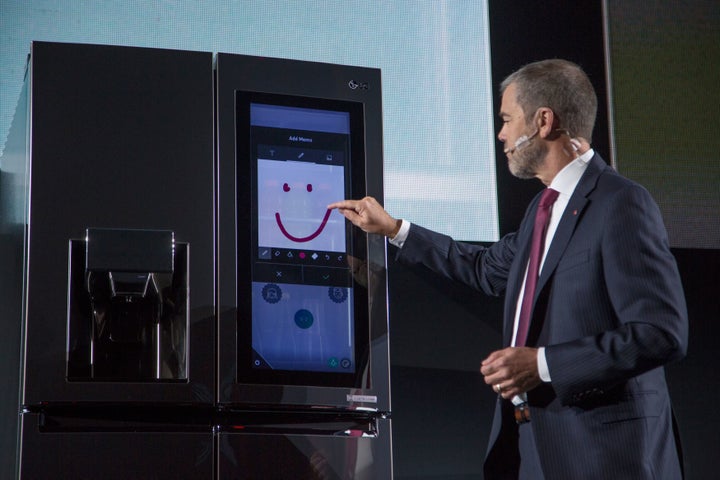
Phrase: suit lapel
[571,215]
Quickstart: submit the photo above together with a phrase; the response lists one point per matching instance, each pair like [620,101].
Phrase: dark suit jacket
[610,311]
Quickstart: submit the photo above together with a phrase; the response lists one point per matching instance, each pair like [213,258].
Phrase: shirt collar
[567,179]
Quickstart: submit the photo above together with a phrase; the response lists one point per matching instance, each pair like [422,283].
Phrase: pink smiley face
[286,188]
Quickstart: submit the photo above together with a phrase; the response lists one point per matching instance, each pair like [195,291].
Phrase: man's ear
[545,122]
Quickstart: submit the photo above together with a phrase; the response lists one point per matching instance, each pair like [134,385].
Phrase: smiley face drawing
[286,188]
[292,205]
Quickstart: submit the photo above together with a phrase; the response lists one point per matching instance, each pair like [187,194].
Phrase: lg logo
[355,85]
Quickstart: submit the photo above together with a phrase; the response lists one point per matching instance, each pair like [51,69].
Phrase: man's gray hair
[561,86]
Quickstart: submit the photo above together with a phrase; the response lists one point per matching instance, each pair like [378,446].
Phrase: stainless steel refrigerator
[180,303]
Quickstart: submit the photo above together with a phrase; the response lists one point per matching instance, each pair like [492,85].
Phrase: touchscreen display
[303,322]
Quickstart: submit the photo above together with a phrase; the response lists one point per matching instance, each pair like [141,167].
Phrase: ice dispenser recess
[127,302]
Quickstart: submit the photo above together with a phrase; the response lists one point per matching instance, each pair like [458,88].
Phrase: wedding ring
[498,388]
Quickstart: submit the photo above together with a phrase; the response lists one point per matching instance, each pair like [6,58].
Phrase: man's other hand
[511,371]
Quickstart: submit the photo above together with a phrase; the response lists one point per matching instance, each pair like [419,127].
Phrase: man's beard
[525,162]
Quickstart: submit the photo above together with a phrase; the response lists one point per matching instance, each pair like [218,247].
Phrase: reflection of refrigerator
[131,246]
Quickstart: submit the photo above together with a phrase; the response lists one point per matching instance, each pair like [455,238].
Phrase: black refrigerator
[180,303]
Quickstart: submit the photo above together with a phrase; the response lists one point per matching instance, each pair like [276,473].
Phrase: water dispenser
[127,306]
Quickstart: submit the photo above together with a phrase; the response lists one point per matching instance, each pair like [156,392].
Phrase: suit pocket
[638,405]
[573,260]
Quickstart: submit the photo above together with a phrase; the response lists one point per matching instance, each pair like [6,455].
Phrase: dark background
[440,331]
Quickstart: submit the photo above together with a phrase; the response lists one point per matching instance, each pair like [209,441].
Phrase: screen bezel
[246,247]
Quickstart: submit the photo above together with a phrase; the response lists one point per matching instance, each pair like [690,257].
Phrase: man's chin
[526,164]
[519,172]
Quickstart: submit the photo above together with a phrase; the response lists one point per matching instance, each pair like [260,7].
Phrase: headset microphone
[521,142]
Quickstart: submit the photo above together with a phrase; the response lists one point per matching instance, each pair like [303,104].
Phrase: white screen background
[301,211]
[439,145]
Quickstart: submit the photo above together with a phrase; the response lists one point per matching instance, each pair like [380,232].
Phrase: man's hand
[514,369]
[369,215]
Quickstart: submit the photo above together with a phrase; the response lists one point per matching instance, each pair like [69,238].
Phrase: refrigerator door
[120,250]
[53,450]
[302,295]
[350,452]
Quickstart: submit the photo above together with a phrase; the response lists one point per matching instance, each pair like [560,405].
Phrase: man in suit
[580,382]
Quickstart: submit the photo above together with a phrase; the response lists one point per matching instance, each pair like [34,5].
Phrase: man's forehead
[508,102]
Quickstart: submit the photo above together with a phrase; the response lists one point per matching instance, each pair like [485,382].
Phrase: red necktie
[542,218]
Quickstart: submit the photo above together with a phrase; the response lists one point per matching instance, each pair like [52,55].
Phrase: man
[581,385]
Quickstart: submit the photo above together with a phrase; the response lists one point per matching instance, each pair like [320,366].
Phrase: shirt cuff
[542,365]
[399,239]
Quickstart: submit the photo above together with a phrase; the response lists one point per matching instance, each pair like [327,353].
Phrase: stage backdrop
[434,56]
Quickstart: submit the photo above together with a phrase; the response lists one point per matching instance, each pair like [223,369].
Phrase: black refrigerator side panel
[122,144]
[13,218]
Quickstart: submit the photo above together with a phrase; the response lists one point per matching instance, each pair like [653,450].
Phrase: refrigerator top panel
[302,293]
